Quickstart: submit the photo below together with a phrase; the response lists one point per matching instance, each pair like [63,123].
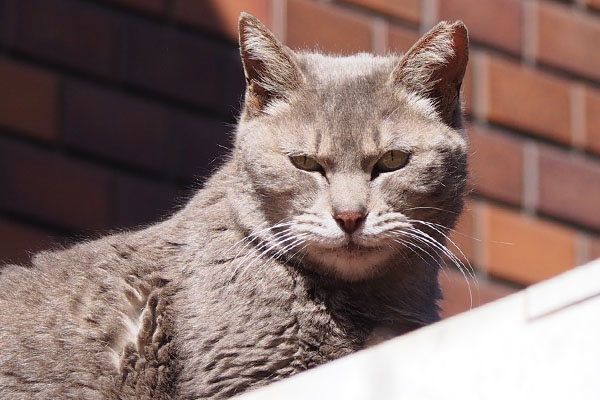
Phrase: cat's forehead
[326,69]
[344,116]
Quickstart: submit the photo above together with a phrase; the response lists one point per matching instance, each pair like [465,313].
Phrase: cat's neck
[404,297]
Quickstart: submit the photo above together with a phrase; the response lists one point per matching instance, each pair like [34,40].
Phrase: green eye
[306,163]
[392,160]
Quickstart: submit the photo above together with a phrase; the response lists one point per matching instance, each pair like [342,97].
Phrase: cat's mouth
[350,261]
[353,247]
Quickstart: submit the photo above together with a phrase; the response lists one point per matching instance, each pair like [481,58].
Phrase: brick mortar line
[578,116]
[530,177]
[536,138]
[365,12]
[582,248]
[429,15]
[591,11]
[380,29]
[498,280]
[29,222]
[559,72]
[574,225]
[477,47]
[480,252]
[525,136]
[278,10]
[529,39]
[163,19]
[480,86]
[117,85]
[116,8]
[101,162]
[542,216]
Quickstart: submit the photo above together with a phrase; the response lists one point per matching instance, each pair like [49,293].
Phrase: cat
[319,236]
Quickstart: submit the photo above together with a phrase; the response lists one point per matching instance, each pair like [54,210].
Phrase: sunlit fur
[253,280]
[347,115]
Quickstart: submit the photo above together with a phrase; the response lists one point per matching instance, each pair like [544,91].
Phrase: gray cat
[319,236]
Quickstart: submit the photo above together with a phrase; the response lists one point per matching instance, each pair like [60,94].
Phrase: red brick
[196,145]
[55,190]
[593,3]
[182,66]
[401,39]
[527,99]
[568,39]
[523,249]
[73,33]
[18,242]
[8,13]
[112,125]
[592,122]
[594,248]
[311,26]
[28,103]
[409,10]
[456,292]
[220,16]
[152,6]
[115,126]
[493,22]
[569,187]
[142,201]
[496,164]
[467,90]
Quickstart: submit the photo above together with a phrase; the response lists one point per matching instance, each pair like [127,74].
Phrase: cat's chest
[253,336]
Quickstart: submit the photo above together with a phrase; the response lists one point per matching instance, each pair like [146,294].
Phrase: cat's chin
[351,263]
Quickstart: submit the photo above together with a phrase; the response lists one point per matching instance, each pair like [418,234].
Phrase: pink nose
[349,221]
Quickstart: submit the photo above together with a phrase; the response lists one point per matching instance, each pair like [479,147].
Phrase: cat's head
[347,158]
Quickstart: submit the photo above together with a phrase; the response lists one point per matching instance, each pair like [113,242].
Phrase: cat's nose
[349,221]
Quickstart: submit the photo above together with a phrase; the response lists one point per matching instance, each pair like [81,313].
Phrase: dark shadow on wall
[111,114]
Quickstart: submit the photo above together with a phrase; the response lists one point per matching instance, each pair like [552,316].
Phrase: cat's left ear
[435,66]
[270,67]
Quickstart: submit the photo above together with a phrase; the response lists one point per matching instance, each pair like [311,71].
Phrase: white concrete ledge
[540,343]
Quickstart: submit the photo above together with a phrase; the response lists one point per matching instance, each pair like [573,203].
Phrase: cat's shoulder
[85,260]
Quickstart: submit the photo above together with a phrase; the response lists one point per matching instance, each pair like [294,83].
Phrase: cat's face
[345,163]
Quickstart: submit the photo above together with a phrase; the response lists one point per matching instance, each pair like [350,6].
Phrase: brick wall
[110,113]
[111,110]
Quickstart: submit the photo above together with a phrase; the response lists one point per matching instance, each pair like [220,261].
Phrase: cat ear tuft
[269,66]
[435,66]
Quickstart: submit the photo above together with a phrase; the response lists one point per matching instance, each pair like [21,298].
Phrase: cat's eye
[306,163]
[392,160]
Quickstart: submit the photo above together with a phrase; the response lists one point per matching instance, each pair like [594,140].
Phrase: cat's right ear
[435,66]
[270,69]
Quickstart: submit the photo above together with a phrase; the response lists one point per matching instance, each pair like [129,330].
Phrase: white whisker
[438,230]
[262,249]
[296,241]
[431,208]
[459,264]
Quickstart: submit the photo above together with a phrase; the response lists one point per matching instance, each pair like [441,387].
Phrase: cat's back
[96,320]
[67,319]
